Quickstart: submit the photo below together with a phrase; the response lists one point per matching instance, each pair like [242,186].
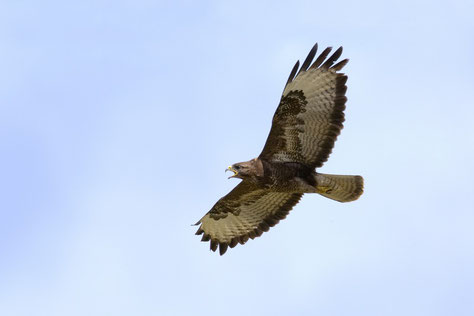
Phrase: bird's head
[246,169]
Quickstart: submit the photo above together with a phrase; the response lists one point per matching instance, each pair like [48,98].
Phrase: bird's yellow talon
[323,189]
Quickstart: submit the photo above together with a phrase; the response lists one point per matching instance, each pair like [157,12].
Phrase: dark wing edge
[317,63]
[265,224]
[337,119]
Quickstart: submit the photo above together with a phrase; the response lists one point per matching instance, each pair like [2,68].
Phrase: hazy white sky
[118,118]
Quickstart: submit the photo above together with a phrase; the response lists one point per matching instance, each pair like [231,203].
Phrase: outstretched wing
[246,212]
[310,114]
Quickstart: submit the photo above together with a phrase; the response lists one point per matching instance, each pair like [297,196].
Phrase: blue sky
[118,118]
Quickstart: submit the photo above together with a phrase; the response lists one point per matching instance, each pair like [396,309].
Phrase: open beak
[233,170]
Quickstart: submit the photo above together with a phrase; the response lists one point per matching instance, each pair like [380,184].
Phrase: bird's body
[287,177]
[304,128]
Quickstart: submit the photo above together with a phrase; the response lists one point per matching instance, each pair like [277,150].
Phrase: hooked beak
[233,170]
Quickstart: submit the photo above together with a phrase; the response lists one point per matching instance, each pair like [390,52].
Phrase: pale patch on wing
[319,88]
[309,136]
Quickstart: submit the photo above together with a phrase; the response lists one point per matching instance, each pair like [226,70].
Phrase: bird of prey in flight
[304,128]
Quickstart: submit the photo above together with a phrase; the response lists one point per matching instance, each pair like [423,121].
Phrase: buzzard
[304,128]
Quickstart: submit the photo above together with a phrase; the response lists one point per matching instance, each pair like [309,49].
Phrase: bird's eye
[236,167]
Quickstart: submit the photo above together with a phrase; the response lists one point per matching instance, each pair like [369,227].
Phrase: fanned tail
[339,187]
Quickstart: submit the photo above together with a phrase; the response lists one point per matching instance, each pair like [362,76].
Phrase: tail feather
[340,188]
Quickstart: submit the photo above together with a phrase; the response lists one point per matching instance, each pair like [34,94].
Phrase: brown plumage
[304,129]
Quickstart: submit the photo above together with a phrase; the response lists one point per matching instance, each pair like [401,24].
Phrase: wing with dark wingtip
[246,212]
[311,112]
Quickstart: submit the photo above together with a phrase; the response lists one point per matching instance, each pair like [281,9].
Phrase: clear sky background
[118,118]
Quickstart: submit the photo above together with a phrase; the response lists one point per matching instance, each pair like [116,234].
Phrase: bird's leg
[323,189]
